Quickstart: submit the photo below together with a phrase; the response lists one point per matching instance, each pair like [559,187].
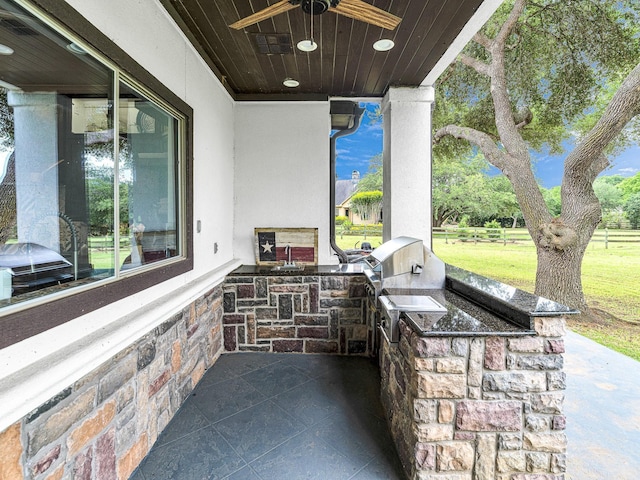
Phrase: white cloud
[373,127]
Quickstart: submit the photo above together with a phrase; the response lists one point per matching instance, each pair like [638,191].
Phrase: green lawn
[352,241]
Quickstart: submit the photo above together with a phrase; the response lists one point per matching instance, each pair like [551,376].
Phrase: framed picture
[274,246]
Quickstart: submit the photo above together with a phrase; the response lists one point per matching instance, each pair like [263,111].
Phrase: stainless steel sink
[413,303]
[394,305]
[288,268]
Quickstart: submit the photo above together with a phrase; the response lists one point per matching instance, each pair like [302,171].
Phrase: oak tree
[538,73]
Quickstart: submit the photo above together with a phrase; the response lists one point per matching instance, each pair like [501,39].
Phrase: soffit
[344,65]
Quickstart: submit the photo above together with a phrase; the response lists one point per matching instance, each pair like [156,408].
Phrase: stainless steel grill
[404,264]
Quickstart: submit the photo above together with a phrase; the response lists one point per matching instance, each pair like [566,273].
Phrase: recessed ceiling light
[4,50]
[307,45]
[383,45]
[290,82]
[77,49]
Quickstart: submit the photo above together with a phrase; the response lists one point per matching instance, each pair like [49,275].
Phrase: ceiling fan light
[383,45]
[290,82]
[307,45]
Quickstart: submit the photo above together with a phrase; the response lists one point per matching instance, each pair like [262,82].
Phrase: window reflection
[85,191]
[148,175]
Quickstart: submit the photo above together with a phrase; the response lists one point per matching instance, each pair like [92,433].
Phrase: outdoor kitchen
[471,369]
[93,372]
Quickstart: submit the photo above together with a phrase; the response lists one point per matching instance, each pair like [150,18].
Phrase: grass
[347,242]
[609,275]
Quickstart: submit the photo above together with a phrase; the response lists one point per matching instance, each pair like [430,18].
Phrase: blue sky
[355,151]
[549,168]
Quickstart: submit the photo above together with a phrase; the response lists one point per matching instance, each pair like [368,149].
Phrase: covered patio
[93,375]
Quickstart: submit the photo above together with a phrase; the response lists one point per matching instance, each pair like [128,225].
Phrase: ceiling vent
[273,43]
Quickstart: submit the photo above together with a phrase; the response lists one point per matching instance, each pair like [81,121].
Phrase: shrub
[493,230]
[463,232]
[340,219]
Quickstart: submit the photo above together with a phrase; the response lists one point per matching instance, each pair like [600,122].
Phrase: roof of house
[344,189]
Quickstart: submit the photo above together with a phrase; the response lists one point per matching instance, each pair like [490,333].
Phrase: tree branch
[516,169]
[474,63]
[480,139]
[510,23]
[481,39]
[505,122]
[625,104]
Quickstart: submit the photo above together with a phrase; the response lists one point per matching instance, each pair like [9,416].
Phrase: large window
[92,170]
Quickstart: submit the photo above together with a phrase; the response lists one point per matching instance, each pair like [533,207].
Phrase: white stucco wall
[281,171]
[35,369]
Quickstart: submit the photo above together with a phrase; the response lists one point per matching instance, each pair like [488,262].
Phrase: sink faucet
[288,262]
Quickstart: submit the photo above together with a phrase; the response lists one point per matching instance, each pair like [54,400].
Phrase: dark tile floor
[260,416]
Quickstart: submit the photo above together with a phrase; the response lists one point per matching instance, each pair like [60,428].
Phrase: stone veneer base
[296,313]
[103,425]
[478,408]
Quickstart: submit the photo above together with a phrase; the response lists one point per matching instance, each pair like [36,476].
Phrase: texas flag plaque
[273,244]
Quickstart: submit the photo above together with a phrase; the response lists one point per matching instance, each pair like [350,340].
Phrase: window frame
[32,320]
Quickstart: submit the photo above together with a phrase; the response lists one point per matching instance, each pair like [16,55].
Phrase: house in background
[345,189]
[198,133]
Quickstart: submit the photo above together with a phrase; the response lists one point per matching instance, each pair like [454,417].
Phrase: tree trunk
[558,277]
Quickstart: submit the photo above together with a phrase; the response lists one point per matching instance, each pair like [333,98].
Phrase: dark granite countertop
[342,269]
[505,300]
[462,318]
[476,305]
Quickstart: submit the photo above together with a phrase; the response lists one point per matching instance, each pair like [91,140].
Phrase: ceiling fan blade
[359,10]
[271,11]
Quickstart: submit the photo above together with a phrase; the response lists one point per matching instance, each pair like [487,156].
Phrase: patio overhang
[253,62]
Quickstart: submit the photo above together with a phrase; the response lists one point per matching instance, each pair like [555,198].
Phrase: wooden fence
[519,235]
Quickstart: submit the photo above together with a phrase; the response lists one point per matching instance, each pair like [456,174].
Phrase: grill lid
[396,256]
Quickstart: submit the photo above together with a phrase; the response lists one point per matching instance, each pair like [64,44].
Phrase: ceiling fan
[356,9]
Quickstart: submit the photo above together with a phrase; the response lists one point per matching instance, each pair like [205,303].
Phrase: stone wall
[103,425]
[478,408]
[296,313]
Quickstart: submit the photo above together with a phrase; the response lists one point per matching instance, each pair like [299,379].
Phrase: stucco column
[407,163]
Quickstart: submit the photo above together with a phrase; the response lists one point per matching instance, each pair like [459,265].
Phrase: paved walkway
[603,412]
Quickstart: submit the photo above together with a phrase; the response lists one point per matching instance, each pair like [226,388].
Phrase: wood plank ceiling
[344,65]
